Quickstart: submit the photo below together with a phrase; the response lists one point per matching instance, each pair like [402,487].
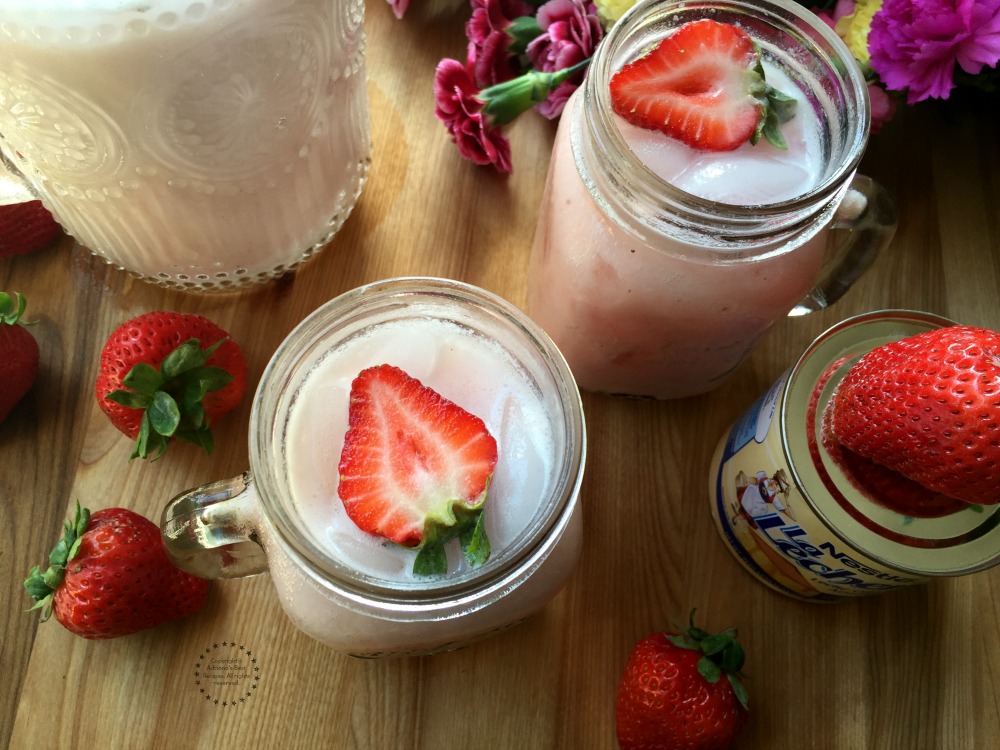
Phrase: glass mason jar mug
[200,146]
[349,589]
[655,275]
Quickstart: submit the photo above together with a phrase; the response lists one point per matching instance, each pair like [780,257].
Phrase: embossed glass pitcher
[204,145]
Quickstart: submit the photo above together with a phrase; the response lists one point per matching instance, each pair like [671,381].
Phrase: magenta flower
[399,7]
[487,28]
[915,45]
[883,106]
[570,33]
[456,105]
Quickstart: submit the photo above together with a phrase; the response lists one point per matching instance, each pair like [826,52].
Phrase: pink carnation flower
[456,105]
[570,33]
[487,30]
[399,7]
[915,45]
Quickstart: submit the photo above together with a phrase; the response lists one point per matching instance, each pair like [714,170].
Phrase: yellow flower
[853,29]
[611,10]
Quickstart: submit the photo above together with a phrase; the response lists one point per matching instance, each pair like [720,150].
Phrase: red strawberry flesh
[928,407]
[19,353]
[411,458]
[880,484]
[703,85]
[26,227]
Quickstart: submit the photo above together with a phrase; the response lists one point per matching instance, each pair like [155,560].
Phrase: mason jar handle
[862,227]
[13,187]
[211,531]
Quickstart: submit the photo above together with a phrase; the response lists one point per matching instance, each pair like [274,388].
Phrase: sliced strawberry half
[415,467]
[703,85]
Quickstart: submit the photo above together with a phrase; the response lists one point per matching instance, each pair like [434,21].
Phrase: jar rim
[782,15]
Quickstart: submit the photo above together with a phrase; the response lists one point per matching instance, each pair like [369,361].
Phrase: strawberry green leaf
[473,539]
[149,442]
[739,690]
[187,357]
[36,586]
[733,656]
[130,399]
[431,560]
[201,438]
[143,378]
[164,414]
[684,641]
[714,644]
[12,308]
[781,104]
[709,670]
[41,586]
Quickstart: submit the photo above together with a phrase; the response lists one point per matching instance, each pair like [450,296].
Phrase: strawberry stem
[171,398]
[505,101]
[432,559]
[722,655]
[41,586]
[12,309]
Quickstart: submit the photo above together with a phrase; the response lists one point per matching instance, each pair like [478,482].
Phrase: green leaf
[186,357]
[714,644]
[164,414]
[35,585]
[733,657]
[709,670]
[522,31]
[473,539]
[149,442]
[431,560]
[781,104]
[201,437]
[684,641]
[143,378]
[739,690]
[12,308]
[211,378]
[60,553]
[771,130]
[53,577]
[130,399]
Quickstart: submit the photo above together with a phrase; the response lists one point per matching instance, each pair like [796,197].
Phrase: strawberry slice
[703,85]
[415,468]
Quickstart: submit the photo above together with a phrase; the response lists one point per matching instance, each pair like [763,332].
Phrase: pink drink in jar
[656,267]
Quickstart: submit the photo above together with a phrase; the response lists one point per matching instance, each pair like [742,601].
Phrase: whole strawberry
[682,690]
[110,576]
[18,353]
[928,407]
[166,375]
[26,227]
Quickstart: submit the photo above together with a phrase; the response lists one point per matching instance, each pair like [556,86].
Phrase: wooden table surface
[912,669]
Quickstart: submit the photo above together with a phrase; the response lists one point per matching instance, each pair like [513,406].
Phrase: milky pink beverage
[349,589]
[200,145]
[656,267]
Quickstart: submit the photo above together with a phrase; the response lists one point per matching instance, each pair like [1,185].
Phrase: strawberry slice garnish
[703,85]
[415,468]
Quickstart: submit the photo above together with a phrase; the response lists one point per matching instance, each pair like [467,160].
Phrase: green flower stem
[506,101]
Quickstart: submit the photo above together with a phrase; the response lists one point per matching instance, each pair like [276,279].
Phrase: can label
[769,524]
